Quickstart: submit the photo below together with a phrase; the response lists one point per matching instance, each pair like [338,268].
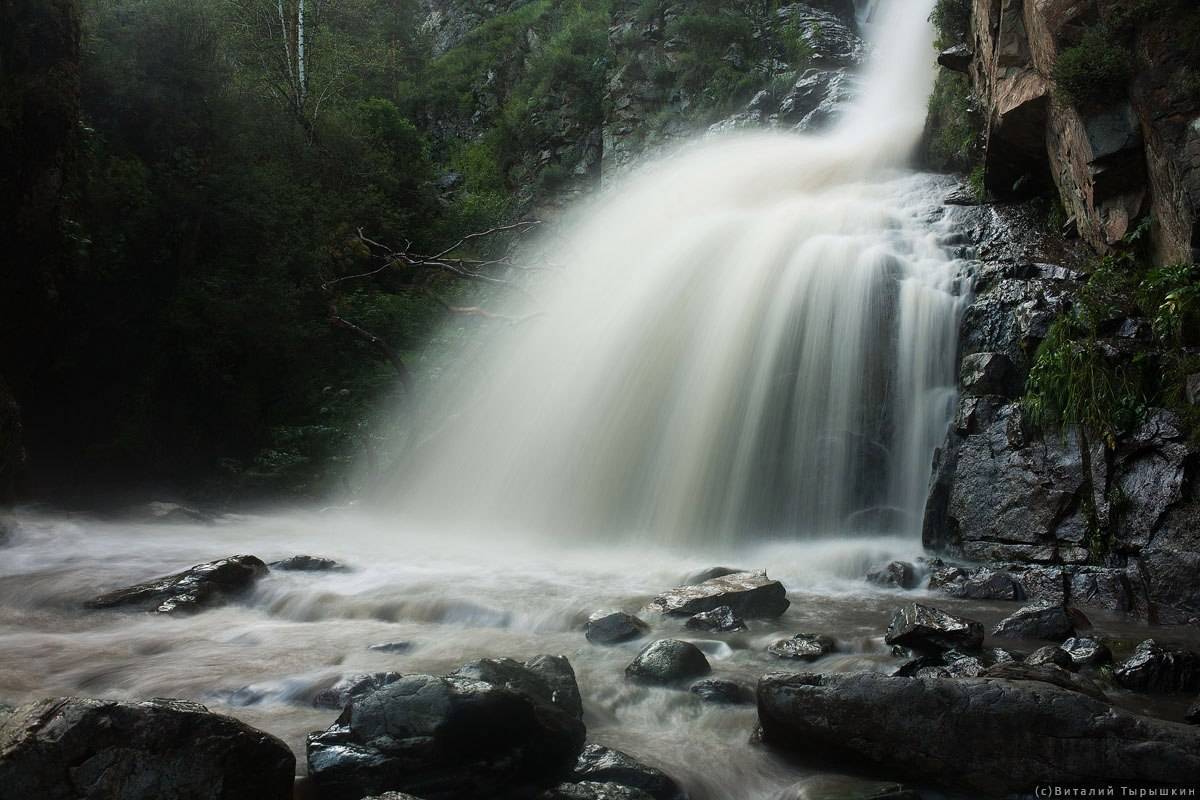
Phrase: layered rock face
[1113,161]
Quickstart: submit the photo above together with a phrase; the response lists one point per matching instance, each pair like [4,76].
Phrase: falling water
[752,337]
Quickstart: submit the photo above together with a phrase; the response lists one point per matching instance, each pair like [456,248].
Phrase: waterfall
[752,338]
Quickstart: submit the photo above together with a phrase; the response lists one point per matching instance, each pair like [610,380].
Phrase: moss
[952,21]
[1095,72]
[955,125]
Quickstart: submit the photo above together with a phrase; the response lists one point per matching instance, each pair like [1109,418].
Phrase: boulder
[897,574]
[72,747]
[709,574]
[1087,652]
[990,374]
[1192,716]
[983,736]
[1041,621]
[350,687]
[1050,654]
[599,764]
[1046,673]
[494,726]
[1154,668]
[559,675]
[840,787]
[668,661]
[307,564]
[590,790]
[957,58]
[196,588]
[983,585]
[747,594]
[950,664]
[393,648]
[719,620]
[803,647]
[614,628]
[925,629]
[721,692]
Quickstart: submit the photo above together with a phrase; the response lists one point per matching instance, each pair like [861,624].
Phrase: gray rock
[984,585]
[1050,654]
[803,647]
[494,727]
[839,787]
[749,594]
[590,790]
[559,676]
[614,628]
[668,661]
[392,796]
[897,574]
[990,374]
[1041,621]
[924,628]
[721,692]
[1192,717]
[957,58]
[1047,673]
[599,764]
[709,574]
[1154,668]
[984,736]
[719,620]
[71,748]
[1047,584]
[392,648]
[307,564]
[349,687]
[196,588]
[1087,652]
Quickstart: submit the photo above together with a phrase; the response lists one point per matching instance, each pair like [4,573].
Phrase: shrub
[1095,72]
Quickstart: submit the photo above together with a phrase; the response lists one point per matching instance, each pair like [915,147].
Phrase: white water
[752,338]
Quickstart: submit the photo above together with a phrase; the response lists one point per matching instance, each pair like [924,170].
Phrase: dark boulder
[709,574]
[1087,652]
[803,647]
[1050,654]
[350,687]
[950,664]
[71,748]
[1042,621]
[599,764]
[925,629]
[896,574]
[748,594]
[990,374]
[957,58]
[307,564]
[722,692]
[614,628]
[559,676]
[719,620]
[1192,716]
[983,585]
[944,576]
[551,679]
[985,736]
[590,790]
[201,586]
[1046,673]
[1153,668]
[493,728]
[668,661]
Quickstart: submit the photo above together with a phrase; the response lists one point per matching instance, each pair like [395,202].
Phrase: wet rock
[392,648]
[559,675]
[614,628]
[963,665]
[839,787]
[1050,654]
[984,585]
[984,736]
[349,687]
[1192,717]
[709,574]
[990,374]
[897,574]
[599,764]
[1041,621]
[1101,588]
[721,692]
[1154,668]
[1048,584]
[1046,673]
[957,58]
[803,647]
[749,594]
[495,726]
[590,790]
[951,664]
[70,748]
[668,661]
[944,576]
[307,564]
[923,628]
[719,620]
[196,588]
[1087,652]
[162,511]
[550,679]
[392,796]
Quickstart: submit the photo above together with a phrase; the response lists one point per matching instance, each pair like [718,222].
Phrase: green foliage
[1125,15]
[1095,72]
[952,21]
[956,127]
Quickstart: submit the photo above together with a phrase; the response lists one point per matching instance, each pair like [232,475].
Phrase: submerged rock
[1087,652]
[1154,668]
[924,628]
[722,692]
[614,628]
[1050,654]
[898,574]
[840,787]
[982,735]
[747,594]
[71,748]
[803,647]
[493,727]
[307,564]
[201,586]
[719,620]
[668,661]
[1041,621]
[591,790]
[393,648]
[349,687]
[599,764]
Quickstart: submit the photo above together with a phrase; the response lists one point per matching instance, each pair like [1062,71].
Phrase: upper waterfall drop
[753,337]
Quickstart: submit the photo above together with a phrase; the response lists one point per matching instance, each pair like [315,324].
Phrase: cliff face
[1128,149]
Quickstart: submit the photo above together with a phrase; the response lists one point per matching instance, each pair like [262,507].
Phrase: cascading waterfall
[754,337]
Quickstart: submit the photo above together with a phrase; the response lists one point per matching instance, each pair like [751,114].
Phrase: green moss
[1095,72]
[952,21]
[955,125]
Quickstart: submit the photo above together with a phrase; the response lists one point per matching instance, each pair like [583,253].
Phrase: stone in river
[614,628]
[668,661]
[929,629]
[196,588]
[803,647]
[719,620]
[1045,620]
[747,594]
